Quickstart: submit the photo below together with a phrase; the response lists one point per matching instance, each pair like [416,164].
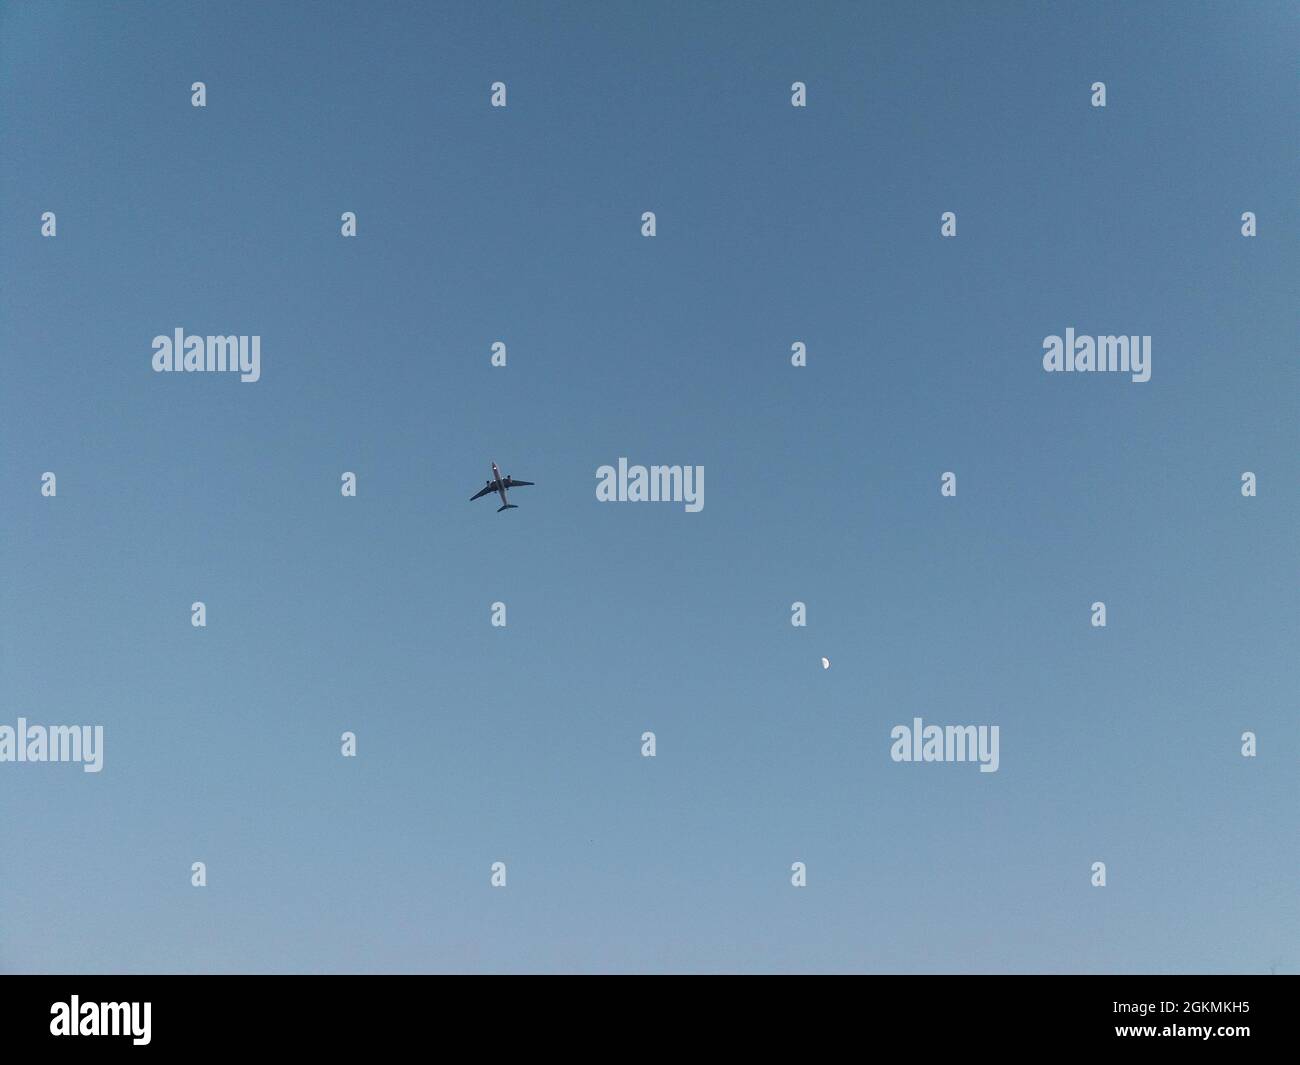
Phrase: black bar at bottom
[614,1015]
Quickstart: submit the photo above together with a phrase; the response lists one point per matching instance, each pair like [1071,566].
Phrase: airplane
[499,485]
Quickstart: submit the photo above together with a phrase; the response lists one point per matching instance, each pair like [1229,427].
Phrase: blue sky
[522,744]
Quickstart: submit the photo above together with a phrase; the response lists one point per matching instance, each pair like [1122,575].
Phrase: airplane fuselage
[500,483]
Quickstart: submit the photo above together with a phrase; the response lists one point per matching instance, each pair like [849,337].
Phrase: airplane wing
[512,483]
[485,490]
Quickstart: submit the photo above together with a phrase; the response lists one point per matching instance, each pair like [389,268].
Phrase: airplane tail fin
[508,506]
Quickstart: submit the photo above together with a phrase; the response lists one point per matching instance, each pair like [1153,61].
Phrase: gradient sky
[822,485]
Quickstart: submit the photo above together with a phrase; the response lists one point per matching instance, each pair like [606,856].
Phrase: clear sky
[775,224]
